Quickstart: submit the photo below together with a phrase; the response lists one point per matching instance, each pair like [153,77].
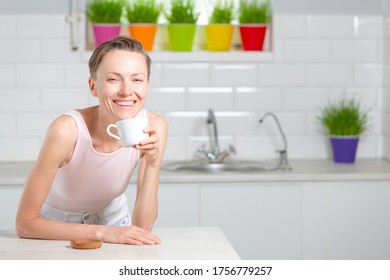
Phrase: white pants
[114,214]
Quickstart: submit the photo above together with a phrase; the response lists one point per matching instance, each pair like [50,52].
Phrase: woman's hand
[153,147]
[150,147]
[132,235]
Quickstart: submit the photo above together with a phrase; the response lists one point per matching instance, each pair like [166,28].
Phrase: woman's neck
[97,122]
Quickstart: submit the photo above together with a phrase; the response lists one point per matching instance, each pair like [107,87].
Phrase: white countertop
[198,243]
[15,173]
[302,170]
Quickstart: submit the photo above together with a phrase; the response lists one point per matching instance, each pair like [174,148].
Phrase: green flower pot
[181,36]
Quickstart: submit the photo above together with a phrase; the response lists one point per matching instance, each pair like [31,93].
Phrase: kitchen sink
[227,166]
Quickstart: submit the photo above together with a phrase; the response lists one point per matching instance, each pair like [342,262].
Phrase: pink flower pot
[105,32]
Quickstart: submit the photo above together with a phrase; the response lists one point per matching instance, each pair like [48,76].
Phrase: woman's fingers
[139,236]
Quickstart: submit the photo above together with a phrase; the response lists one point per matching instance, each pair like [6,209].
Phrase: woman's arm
[56,151]
[152,149]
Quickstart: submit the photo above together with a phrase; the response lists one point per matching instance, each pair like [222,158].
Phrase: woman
[76,188]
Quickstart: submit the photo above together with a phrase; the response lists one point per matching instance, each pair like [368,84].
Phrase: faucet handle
[232,149]
[201,151]
[201,148]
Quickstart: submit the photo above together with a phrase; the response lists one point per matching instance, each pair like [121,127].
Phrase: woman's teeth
[125,103]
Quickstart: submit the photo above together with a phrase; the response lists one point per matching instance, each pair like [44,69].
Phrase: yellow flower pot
[219,37]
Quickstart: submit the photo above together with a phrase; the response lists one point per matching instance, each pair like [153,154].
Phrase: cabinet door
[346,220]
[178,205]
[9,201]
[262,221]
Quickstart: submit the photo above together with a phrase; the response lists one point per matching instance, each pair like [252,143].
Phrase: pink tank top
[91,179]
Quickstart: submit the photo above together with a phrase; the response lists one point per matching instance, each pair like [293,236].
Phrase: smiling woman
[76,188]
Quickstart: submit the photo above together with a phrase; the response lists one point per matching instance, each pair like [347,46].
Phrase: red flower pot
[253,36]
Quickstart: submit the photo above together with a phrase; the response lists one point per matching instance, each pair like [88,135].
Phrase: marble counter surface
[198,243]
[15,173]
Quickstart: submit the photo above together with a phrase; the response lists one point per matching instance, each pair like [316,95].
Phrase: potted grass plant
[181,17]
[345,121]
[105,16]
[219,30]
[254,17]
[142,16]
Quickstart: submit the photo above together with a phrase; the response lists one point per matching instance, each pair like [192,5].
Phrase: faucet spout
[214,154]
[212,124]
[283,160]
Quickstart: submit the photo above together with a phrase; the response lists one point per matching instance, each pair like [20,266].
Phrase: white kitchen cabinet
[9,201]
[346,220]
[178,205]
[262,221]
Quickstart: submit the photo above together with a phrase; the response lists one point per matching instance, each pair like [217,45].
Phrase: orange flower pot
[144,33]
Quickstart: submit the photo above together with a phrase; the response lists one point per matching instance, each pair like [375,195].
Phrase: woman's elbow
[20,230]
[23,227]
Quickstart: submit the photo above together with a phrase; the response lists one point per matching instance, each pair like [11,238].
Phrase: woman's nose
[127,88]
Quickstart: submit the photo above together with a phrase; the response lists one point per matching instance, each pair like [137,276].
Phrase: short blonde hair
[118,43]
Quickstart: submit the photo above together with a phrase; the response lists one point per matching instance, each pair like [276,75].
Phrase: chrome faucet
[283,159]
[213,132]
[214,155]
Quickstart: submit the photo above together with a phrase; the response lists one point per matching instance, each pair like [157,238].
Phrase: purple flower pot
[344,148]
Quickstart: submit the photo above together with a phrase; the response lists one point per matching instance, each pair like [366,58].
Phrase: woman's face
[121,83]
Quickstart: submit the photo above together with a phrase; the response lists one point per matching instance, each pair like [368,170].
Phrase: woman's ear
[91,85]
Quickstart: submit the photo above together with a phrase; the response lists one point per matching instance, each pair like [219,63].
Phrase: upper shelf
[205,56]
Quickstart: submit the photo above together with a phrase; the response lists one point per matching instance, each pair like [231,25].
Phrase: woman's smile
[125,103]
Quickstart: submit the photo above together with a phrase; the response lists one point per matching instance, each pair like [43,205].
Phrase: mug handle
[110,133]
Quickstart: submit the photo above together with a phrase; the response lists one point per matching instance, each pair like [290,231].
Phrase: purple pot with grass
[344,148]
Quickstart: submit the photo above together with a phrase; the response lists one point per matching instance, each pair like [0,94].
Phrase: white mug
[131,131]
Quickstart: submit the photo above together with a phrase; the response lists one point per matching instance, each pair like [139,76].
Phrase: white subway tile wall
[41,26]
[331,26]
[384,97]
[316,58]
[10,22]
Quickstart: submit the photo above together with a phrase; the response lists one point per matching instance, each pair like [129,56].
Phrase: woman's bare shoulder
[62,131]
[59,142]
[64,125]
